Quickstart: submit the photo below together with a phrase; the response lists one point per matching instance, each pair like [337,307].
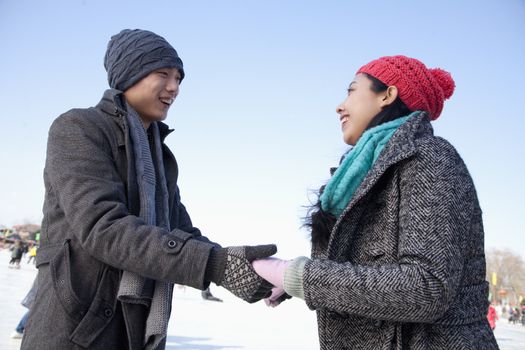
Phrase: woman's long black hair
[317,220]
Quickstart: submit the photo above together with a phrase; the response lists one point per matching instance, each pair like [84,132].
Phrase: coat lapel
[401,146]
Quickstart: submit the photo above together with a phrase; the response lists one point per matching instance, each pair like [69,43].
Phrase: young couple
[397,257]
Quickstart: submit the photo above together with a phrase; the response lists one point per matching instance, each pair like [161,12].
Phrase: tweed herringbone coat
[405,264]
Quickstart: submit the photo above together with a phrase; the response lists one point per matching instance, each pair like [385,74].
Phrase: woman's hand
[272,270]
[277,297]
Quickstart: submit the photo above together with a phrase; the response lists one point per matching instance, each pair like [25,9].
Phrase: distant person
[32,254]
[115,235]
[510,313]
[397,236]
[27,302]
[206,295]
[16,255]
[492,317]
[25,249]
[516,315]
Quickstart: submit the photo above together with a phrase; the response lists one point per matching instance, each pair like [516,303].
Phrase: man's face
[152,96]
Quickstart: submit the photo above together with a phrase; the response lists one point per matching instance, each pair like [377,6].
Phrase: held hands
[277,297]
[231,268]
[272,270]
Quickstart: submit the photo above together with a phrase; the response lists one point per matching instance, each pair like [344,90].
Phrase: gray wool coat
[405,263]
[91,232]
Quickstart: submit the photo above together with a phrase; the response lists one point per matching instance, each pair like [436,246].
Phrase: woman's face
[357,110]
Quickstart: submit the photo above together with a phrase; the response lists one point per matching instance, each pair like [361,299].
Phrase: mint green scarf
[353,169]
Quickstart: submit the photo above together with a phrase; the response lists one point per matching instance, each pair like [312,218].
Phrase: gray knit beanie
[133,54]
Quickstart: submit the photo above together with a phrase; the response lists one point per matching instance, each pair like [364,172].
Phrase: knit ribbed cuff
[216,265]
[293,277]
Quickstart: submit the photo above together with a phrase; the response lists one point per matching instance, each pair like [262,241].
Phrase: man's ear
[388,96]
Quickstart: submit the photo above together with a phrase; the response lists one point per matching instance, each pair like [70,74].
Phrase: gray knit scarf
[153,194]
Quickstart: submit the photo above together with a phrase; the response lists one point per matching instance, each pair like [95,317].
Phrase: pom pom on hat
[419,87]
[445,81]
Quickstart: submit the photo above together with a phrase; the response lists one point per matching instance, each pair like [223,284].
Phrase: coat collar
[402,145]
[112,103]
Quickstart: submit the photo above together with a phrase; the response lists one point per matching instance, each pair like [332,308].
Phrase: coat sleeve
[435,211]
[81,173]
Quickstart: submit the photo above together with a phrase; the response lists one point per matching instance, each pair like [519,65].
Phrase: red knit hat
[419,88]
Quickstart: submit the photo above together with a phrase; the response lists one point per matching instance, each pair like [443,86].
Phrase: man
[115,235]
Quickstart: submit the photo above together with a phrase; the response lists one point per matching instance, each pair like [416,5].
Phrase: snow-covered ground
[195,323]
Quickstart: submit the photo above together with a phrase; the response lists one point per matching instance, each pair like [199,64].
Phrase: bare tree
[509,268]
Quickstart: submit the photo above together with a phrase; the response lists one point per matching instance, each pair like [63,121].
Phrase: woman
[397,237]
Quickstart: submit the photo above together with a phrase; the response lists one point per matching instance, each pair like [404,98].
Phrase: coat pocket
[346,331]
[60,268]
[90,317]
[100,311]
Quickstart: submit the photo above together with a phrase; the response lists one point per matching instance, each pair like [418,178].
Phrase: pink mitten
[276,298]
[271,269]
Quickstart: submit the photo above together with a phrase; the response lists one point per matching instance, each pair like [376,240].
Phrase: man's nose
[173,85]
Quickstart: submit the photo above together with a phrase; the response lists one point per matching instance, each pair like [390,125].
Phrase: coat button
[172,244]
[378,323]
[108,313]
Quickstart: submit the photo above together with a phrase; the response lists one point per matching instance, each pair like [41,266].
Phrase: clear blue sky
[255,122]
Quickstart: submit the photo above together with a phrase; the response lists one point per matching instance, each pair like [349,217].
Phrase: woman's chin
[349,141]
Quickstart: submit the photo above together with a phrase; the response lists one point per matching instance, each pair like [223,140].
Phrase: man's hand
[231,268]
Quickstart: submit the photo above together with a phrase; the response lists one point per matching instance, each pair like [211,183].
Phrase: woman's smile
[344,119]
